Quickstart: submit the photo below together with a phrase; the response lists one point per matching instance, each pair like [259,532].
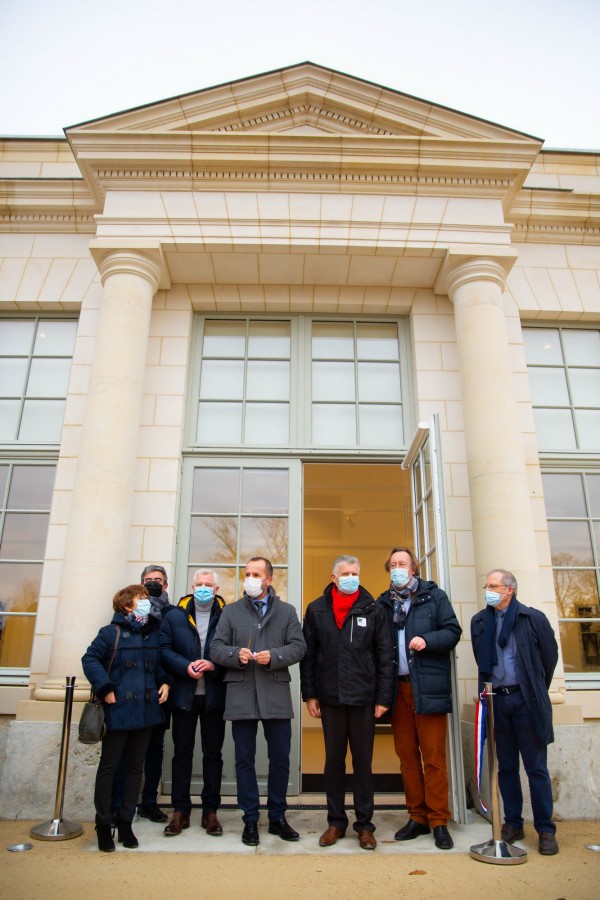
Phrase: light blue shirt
[402,660]
[504,673]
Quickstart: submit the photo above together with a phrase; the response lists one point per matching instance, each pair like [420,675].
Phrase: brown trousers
[420,744]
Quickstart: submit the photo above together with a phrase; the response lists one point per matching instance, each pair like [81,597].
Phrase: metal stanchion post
[495,851]
[59,829]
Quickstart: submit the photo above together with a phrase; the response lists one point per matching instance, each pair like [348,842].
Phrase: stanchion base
[56,830]
[498,853]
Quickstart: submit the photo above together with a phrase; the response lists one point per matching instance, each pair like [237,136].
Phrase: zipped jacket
[180,645]
[351,665]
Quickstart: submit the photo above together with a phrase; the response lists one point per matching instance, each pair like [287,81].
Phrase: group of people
[362,661]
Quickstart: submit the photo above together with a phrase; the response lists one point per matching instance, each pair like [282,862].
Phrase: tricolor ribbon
[480,717]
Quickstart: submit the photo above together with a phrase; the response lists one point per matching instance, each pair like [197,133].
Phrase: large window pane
[332,340]
[570,543]
[267,423]
[216,490]
[376,340]
[379,381]
[13,373]
[268,380]
[588,428]
[333,424]
[42,421]
[585,387]
[554,429]
[3,483]
[576,592]
[542,346]
[581,347]
[548,386]
[9,419]
[24,536]
[333,381]
[31,487]
[16,337]
[16,638]
[224,338]
[564,495]
[55,338]
[222,380]
[265,490]
[213,539]
[48,378]
[580,643]
[269,339]
[264,537]
[20,586]
[593,487]
[380,426]
[219,423]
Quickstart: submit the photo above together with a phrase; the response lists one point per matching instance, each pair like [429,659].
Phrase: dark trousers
[152,770]
[278,734]
[353,725]
[514,735]
[131,745]
[212,734]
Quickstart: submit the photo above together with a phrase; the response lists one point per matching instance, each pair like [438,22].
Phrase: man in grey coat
[257,639]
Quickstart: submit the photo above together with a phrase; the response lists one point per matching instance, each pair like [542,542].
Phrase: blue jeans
[278,734]
[514,734]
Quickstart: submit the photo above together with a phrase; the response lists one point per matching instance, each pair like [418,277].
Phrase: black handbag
[92,726]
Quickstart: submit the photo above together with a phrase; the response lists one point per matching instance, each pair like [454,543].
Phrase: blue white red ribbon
[480,723]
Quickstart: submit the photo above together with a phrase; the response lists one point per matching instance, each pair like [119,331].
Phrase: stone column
[503,528]
[98,538]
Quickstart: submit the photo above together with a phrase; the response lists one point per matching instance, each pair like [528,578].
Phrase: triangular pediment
[303,100]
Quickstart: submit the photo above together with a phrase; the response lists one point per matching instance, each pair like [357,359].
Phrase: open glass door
[423,460]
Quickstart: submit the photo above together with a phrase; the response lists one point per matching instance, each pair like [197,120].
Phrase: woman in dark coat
[132,693]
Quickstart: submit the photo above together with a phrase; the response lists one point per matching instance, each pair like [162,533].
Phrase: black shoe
[104,833]
[126,836]
[250,834]
[152,811]
[442,838]
[510,833]
[411,830]
[547,844]
[283,829]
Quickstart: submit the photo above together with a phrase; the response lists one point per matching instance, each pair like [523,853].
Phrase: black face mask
[154,588]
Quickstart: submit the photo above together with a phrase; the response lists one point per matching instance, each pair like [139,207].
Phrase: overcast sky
[531,65]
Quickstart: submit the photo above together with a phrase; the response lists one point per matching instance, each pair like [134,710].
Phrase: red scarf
[342,604]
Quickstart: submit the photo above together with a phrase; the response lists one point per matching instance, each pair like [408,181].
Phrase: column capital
[145,259]
[488,264]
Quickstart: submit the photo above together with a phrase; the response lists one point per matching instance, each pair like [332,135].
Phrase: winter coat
[255,691]
[180,645]
[430,616]
[135,674]
[351,665]
[535,661]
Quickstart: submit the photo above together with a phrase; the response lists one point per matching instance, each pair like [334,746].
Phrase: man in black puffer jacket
[198,696]
[346,679]
[424,631]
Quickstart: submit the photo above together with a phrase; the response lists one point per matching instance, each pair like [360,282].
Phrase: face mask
[143,607]
[348,584]
[154,588]
[400,577]
[204,595]
[492,598]
[253,587]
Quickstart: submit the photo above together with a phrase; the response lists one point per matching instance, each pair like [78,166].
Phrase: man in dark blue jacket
[198,695]
[516,651]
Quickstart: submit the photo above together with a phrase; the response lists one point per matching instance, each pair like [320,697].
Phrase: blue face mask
[348,584]
[493,598]
[204,595]
[400,577]
[143,607]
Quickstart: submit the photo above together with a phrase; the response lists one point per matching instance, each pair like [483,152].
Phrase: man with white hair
[198,695]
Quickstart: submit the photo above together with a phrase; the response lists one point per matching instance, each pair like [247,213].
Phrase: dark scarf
[158,604]
[488,656]
[398,596]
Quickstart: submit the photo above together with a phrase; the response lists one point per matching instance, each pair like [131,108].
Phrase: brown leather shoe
[331,836]
[366,839]
[177,823]
[212,824]
[547,844]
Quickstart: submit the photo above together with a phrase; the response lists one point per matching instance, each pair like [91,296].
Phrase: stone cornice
[556,216]
[46,205]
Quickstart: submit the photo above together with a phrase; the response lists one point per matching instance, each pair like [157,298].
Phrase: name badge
[361,621]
